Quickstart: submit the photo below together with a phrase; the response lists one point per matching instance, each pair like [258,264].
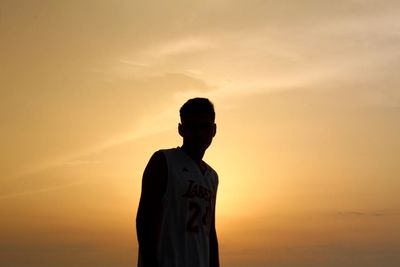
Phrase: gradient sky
[308,109]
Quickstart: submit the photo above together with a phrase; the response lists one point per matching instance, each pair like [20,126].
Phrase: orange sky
[308,109]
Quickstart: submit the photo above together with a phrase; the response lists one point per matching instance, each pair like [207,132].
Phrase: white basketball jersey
[188,205]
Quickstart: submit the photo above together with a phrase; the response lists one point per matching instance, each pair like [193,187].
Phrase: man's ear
[215,130]
[180,129]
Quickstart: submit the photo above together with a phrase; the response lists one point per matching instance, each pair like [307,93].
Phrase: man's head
[197,125]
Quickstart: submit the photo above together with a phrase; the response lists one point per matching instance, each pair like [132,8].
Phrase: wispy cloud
[42,190]
[184,45]
[148,126]
[356,214]
[133,63]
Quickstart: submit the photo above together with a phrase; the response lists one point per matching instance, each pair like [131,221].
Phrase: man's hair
[197,105]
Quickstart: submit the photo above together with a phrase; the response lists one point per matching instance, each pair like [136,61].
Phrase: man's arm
[214,251]
[148,219]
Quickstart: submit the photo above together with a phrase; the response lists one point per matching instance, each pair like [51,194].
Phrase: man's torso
[188,207]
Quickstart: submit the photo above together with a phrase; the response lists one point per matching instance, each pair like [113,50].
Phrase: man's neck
[195,155]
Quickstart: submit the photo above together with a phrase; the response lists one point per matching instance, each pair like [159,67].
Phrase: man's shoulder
[168,155]
[167,151]
[210,167]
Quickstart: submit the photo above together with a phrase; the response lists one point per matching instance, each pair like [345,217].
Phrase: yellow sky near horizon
[308,109]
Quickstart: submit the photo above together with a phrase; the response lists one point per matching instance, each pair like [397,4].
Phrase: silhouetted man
[175,222]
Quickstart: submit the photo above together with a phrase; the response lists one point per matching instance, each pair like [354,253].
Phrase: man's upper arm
[148,218]
[154,182]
